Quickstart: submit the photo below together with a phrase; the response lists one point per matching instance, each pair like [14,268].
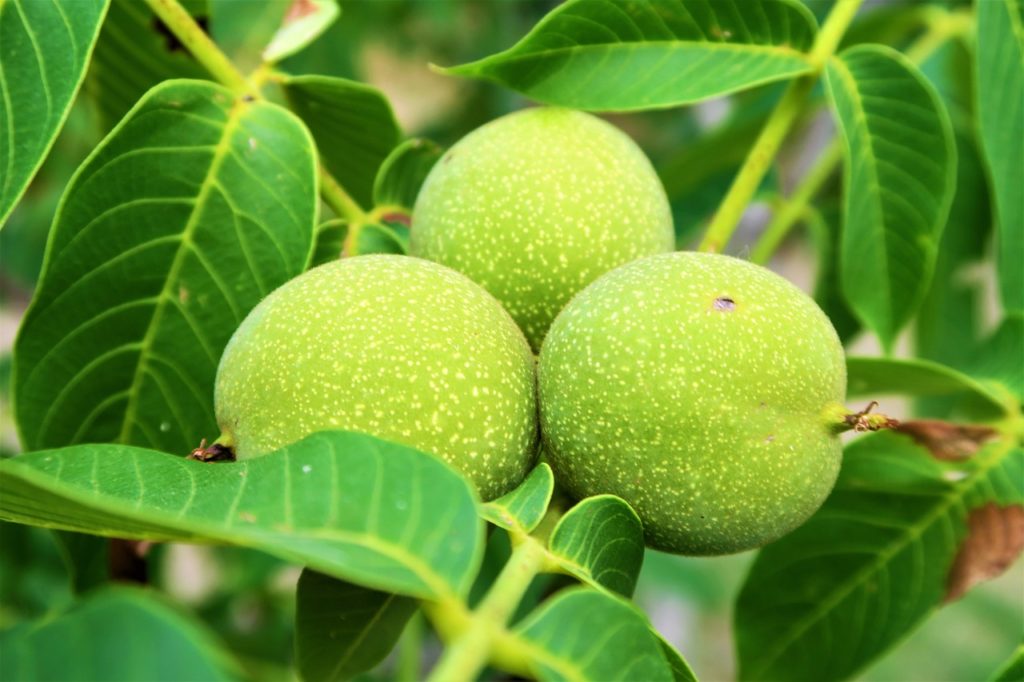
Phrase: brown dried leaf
[995,538]
[948,442]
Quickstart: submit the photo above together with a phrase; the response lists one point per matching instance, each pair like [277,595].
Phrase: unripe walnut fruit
[701,389]
[398,347]
[536,205]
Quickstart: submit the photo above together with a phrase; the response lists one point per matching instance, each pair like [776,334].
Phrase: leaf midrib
[860,121]
[521,54]
[169,522]
[221,152]
[957,494]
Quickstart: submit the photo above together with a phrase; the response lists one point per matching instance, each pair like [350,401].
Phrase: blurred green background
[248,597]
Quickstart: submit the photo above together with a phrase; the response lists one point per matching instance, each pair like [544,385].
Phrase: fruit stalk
[761,156]
[470,650]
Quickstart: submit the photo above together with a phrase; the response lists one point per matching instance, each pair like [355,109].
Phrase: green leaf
[823,226]
[583,634]
[378,238]
[353,126]
[829,598]
[946,328]
[135,51]
[874,377]
[601,542]
[999,358]
[587,54]
[402,173]
[342,629]
[523,508]
[194,208]
[305,22]
[681,671]
[1000,107]
[1012,669]
[349,505]
[34,578]
[330,241]
[898,183]
[118,633]
[46,47]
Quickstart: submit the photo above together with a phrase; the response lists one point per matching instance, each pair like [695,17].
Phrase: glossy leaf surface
[402,174]
[898,183]
[303,24]
[190,212]
[342,629]
[135,52]
[117,633]
[1000,107]
[587,54]
[349,505]
[874,377]
[46,47]
[353,126]
[824,601]
[523,508]
[601,542]
[563,643]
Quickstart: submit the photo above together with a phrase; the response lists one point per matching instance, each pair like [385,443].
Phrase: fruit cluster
[699,388]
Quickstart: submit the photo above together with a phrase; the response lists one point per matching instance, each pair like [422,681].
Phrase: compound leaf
[346,504]
[117,633]
[46,47]
[900,167]
[586,54]
[195,207]
[563,644]
[824,601]
[342,629]
[1000,106]
[601,542]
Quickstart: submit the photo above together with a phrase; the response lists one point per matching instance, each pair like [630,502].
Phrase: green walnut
[536,205]
[705,391]
[397,347]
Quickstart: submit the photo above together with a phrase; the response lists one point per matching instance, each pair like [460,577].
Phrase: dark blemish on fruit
[449,156]
[724,303]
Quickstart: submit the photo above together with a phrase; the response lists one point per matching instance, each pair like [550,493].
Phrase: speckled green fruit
[536,205]
[699,388]
[398,347]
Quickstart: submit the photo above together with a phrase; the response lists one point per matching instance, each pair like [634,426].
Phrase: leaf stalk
[470,650]
[224,71]
[762,155]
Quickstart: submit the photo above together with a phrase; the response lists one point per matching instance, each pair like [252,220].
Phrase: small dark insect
[212,453]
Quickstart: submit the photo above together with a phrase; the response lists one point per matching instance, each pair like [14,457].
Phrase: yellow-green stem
[468,653]
[942,25]
[793,208]
[762,155]
[206,52]
[335,196]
